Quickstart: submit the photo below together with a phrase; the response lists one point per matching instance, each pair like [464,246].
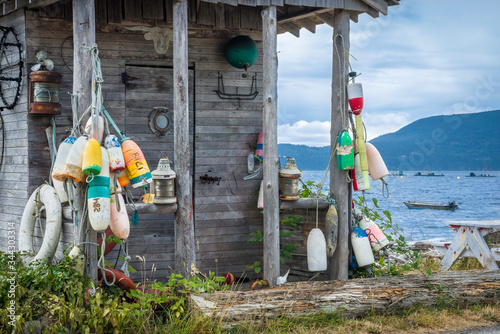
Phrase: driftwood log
[353,297]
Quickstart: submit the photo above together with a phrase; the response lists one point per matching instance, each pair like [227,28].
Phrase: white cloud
[420,60]
[313,133]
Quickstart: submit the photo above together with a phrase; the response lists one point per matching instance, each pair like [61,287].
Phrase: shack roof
[292,14]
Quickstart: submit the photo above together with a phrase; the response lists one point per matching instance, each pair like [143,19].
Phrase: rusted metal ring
[161,121]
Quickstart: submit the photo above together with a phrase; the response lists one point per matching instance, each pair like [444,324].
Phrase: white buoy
[116,159]
[74,160]
[316,251]
[60,162]
[361,247]
[98,202]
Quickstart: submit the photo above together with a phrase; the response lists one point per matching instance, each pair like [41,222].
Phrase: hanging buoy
[377,238]
[241,52]
[376,165]
[92,158]
[98,203]
[260,199]
[95,133]
[123,179]
[361,247]
[345,151]
[112,188]
[360,133]
[316,251]
[104,162]
[116,159]
[59,187]
[355,96]
[60,163]
[77,254]
[75,159]
[119,222]
[360,179]
[137,168]
[109,245]
[331,230]
[259,151]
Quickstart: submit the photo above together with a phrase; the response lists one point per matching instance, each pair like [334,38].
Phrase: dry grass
[412,321]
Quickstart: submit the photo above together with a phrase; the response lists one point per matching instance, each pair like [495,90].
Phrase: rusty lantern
[289,181]
[44,93]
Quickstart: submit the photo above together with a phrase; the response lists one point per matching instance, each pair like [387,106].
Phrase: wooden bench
[470,239]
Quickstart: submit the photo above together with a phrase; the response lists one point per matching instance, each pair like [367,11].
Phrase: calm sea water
[478,198]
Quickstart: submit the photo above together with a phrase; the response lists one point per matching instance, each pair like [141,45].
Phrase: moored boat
[436,206]
[427,174]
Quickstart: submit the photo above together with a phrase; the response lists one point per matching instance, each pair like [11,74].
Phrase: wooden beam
[83,39]
[379,5]
[302,15]
[185,255]
[40,3]
[339,188]
[291,28]
[327,18]
[308,24]
[270,131]
[354,17]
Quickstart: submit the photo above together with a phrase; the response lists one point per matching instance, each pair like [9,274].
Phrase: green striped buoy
[345,152]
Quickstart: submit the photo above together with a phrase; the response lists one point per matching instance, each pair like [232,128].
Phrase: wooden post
[184,226]
[271,195]
[339,188]
[84,38]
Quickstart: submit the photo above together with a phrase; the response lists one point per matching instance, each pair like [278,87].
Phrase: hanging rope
[320,184]
[342,80]
[101,263]
[54,152]
[124,267]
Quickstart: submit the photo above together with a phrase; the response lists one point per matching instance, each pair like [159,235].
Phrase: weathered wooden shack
[212,133]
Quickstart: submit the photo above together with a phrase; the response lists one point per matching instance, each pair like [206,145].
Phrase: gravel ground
[477,330]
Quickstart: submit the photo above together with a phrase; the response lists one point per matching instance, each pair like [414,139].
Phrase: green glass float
[241,52]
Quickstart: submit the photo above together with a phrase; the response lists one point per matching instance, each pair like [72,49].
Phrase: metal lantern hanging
[44,87]
[289,181]
[163,183]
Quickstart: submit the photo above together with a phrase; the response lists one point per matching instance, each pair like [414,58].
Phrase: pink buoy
[119,222]
[259,152]
[376,165]
[377,238]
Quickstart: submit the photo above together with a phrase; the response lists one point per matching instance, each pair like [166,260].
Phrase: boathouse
[168,56]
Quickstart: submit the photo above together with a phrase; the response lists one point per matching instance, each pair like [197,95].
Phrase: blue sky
[424,58]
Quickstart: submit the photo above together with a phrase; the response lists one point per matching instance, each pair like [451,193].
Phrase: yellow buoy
[92,158]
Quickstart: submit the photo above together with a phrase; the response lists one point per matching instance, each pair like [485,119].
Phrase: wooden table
[470,236]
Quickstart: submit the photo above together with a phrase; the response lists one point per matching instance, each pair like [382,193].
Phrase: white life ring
[44,196]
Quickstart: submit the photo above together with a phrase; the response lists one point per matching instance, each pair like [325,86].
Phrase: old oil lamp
[163,183]
[289,181]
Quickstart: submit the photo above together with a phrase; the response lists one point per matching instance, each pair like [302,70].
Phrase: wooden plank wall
[225,131]
[14,171]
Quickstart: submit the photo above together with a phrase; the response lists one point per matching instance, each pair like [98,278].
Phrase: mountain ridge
[445,142]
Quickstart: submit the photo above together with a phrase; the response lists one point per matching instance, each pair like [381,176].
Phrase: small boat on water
[480,175]
[427,174]
[436,206]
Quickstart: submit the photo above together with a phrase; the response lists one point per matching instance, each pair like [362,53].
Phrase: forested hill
[448,142]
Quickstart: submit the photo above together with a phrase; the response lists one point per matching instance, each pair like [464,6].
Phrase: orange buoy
[95,128]
[92,158]
[74,160]
[123,179]
[121,281]
[376,165]
[119,223]
[137,168]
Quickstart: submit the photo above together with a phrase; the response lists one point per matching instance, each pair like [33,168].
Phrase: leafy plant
[395,234]
[285,250]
